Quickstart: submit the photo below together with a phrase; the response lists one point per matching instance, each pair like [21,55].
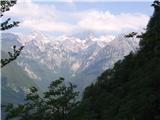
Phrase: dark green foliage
[131,90]
[131,34]
[56,104]
[134,34]
[152,37]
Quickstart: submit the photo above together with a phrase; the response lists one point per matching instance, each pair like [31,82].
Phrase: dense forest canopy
[129,91]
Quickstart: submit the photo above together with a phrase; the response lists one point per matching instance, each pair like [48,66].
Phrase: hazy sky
[69,17]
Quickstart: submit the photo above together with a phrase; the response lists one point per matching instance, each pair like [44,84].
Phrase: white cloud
[31,10]
[40,17]
[106,21]
[47,18]
[47,26]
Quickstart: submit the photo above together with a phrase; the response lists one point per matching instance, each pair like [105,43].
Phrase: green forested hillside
[131,90]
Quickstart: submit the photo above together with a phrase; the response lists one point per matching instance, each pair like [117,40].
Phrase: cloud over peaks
[106,21]
[47,18]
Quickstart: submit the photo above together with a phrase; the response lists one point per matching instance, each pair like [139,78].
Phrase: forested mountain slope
[129,91]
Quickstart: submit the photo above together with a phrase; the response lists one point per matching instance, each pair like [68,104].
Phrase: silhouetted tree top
[152,35]
[56,104]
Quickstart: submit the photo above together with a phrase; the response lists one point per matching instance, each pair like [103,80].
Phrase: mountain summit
[45,58]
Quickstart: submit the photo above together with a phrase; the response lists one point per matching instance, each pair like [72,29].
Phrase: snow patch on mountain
[31,73]
[78,57]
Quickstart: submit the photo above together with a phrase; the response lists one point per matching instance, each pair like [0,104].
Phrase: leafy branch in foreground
[134,34]
[56,104]
[6,25]
[5,5]
[12,56]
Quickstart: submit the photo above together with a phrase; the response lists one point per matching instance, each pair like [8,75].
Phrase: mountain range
[78,58]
